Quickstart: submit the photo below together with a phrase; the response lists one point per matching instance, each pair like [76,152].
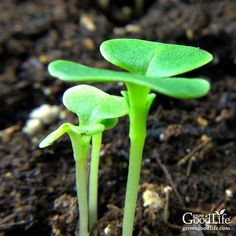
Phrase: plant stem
[93,179]
[80,146]
[137,99]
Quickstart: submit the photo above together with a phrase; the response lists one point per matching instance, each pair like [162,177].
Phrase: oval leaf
[183,88]
[74,72]
[93,105]
[153,59]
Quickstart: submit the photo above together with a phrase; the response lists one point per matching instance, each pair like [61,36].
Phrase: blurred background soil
[191,145]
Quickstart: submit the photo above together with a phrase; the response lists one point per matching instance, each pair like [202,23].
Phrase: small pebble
[152,199]
[162,137]
[8,175]
[189,33]
[42,115]
[228,193]
[47,91]
[45,113]
[202,121]
[167,189]
[204,138]
[107,230]
[44,59]
[132,28]
[187,199]
[32,126]
[87,23]
[119,31]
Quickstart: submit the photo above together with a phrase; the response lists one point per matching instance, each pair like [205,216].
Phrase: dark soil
[191,145]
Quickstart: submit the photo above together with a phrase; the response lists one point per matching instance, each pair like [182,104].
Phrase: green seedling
[151,65]
[97,111]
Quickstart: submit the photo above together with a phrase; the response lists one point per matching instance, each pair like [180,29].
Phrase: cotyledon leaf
[69,128]
[56,134]
[181,88]
[92,105]
[153,59]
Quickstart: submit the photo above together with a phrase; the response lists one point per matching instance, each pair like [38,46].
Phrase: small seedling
[97,111]
[151,65]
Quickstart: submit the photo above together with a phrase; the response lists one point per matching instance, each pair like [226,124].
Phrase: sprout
[151,65]
[97,111]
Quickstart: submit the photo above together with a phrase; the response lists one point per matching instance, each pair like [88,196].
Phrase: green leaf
[68,128]
[93,105]
[182,88]
[153,59]
[52,137]
[109,123]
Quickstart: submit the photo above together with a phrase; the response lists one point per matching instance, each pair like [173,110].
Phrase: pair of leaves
[153,59]
[92,105]
[151,64]
[96,110]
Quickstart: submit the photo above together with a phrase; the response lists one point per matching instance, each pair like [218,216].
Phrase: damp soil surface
[189,162]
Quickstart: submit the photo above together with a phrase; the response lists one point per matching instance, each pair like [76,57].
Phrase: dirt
[191,145]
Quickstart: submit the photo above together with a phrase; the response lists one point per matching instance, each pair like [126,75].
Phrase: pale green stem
[137,97]
[93,179]
[80,146]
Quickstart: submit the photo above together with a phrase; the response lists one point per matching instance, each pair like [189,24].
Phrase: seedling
[97,111]
[151,65]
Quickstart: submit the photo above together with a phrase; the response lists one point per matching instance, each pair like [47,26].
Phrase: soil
[191,145]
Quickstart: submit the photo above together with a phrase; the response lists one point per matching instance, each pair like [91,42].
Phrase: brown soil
[191,145]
